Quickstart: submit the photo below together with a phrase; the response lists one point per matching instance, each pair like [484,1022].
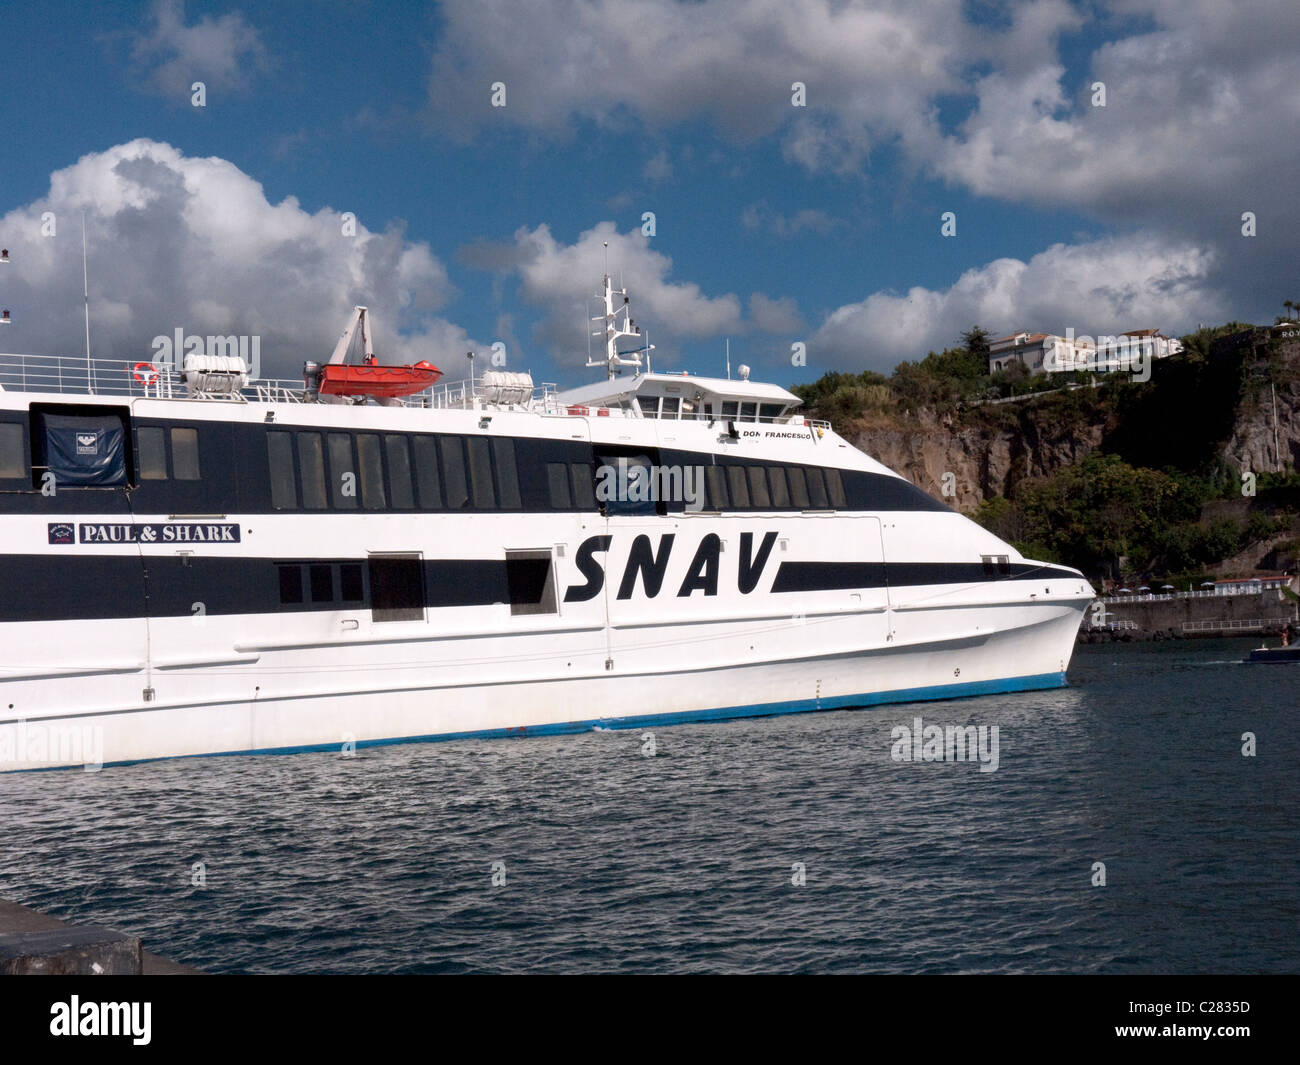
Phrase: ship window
[284,495]
[835,488]
[629,493]
[153,454]
[503,451]
[81,450]
[758,486]
[13,457]
[311,467]
[729,409]
[817,489]
[343,474]
[290,585]
[715,480]
[399,472]
[321,577]
[531,582]
[649,406]
[798,487]
[584,489]
[426,473]
[480,468]
[396,587]
[453,469]
[350,590]
[739,487]
[780,489]
[671,404]
[372,472]
[557,479]
[748,412]
[769,412]
[185,454]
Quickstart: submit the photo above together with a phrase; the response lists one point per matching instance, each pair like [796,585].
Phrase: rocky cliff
[1226,413]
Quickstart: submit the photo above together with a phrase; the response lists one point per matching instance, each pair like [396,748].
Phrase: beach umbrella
[1166,587]
[1144,588]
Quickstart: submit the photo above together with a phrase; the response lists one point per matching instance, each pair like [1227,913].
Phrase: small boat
[1275,654]
[374,380]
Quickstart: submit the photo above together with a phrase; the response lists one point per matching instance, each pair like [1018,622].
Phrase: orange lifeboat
[373,380]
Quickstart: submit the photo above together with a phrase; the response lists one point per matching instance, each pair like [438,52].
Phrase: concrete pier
[34,943]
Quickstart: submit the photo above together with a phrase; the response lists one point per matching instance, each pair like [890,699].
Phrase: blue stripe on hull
[1038,682]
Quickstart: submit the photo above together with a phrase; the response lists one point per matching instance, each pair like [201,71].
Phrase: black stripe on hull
[839,576]
[100,587]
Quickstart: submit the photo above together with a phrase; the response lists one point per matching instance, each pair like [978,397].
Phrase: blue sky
[773,223]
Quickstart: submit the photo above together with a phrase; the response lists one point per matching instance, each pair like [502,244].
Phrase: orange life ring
[149,376]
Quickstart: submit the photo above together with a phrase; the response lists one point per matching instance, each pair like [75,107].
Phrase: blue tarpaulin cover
[85,449]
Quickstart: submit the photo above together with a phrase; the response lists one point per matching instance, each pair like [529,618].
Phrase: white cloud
[869,71]
[1101,287]
[658,167]
[775,315]
[563,278]
[224,53]
[178,241]
[758,216]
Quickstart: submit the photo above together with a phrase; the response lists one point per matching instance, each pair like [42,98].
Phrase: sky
[776,173]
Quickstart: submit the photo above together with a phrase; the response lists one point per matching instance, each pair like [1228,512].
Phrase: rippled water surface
[615,861]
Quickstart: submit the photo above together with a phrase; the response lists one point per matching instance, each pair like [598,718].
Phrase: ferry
[199,563]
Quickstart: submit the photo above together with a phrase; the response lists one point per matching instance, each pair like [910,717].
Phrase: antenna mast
[85,291]
[615,329]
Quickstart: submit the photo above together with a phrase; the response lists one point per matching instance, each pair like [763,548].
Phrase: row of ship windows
[441,472]
[371,471]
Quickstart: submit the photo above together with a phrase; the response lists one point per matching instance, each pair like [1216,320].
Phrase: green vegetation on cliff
[1155,500]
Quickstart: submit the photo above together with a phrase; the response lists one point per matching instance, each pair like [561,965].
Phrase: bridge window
[798,487]
[715,481]
[503,451]
[371,469]
[739,487]
[343,473]
[152,453]
[452,449]
[780,488]
[399,472]
[480,467]
[311,468]
[817,489]
[584,487]
[835,488]
[557,481]
[13,454]
[284,493]
[427,481]
[185,454]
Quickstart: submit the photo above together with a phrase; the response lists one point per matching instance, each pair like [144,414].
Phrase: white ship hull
[187,577]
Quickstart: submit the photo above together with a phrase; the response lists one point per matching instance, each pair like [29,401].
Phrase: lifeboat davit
[373,380]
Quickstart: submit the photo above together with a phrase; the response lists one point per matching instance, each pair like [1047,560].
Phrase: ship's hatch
[81,449]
